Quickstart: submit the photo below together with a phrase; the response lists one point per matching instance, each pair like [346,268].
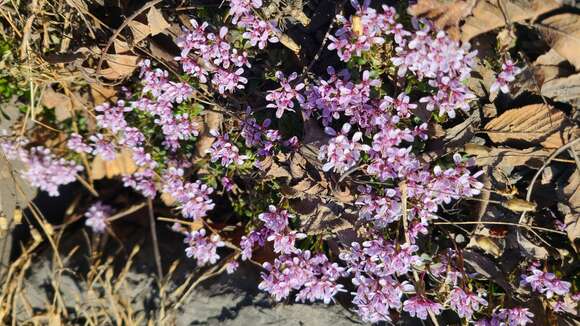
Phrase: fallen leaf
[548,67]
[535,123]
[277,171]
[61,103]
[120,66]
[499,157]
[572,203]
[519,205]
[489,245]
[328,218]
[211,120]
[565,90]
[102,94]
[123,164]
[140,31]
[156,22]
[487,268]
[530,248]
[562,33]
[488,15]
[445,14]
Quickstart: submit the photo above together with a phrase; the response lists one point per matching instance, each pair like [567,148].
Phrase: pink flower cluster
[224,151]
[193,197]
[342,153]
[545,283]
[203,248]
[508,73]
[339,94]
[466,303]
[259,135]
[212,54]
[97,216]
[313,276]
[259,32]
[42,168]
[443,62]
[362,30]
[516,316]
[283,98]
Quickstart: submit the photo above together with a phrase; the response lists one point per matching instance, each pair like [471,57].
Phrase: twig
[154,238]
[501,223]
[531,186]
[124,213]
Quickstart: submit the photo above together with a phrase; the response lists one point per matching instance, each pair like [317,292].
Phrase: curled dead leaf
[489,245]
[519,205]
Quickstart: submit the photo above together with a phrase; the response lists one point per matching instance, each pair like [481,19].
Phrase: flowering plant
[368,121]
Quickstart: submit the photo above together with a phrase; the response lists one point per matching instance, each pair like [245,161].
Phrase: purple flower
[465,304]
[47,172]
[275,219]
[97,216]
[283,97]
[420,306]
[341,153]
[508,74]
[232,266]
[203,248]
[224,151]
[284,243]
[103,147]
[76,144]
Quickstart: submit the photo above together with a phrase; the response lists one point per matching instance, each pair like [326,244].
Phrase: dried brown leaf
[445,14]
[120,66]
[519,205]
[535,123]
[500,157]
[565,90]
[562,32]
[140,31]
[102,94]
[211,120]
[572,201]
[157,24]
[491,14]
[329,218]
[61,103]
[123,164]
[489,245]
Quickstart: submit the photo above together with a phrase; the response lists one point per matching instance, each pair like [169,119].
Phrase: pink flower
[508,74]
[103,147]
[47,172]
[283,97]
[284,243]
[76,144]
[275,219]
[465,304]
[203,248]
[342,153]
[232,266]
[97,216]
[420,306]
[224,151]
